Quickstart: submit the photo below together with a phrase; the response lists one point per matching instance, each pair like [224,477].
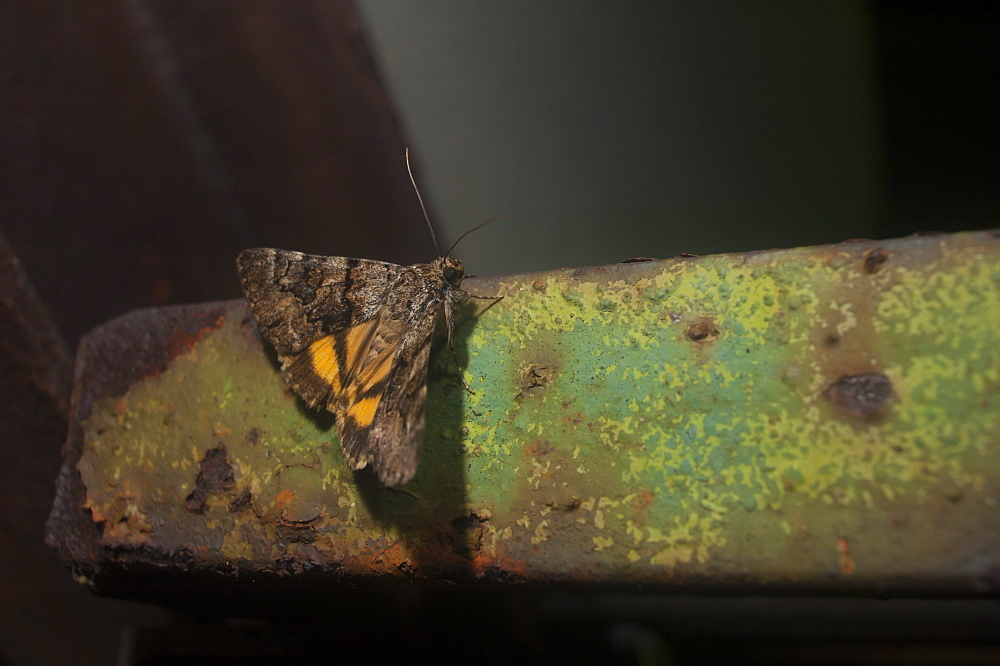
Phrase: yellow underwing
[354,337]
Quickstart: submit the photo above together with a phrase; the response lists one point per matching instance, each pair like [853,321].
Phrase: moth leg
[486,298]
[449,323]
[495,299]
[458,366]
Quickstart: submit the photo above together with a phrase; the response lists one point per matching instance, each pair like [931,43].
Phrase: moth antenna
[421,200]
[475,228]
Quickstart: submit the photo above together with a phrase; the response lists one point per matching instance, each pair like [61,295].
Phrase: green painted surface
[659,422]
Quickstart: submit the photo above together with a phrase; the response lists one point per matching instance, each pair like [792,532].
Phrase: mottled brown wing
[299,298]
[340,349]
[383,424]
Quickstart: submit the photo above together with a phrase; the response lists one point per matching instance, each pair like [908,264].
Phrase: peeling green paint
[648,422]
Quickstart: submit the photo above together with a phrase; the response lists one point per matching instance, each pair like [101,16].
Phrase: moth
[354,337]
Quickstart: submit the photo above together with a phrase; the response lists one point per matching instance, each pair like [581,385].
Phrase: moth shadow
[430,513]
[321,419]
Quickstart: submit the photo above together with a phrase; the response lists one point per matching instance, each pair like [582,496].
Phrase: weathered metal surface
[807,419]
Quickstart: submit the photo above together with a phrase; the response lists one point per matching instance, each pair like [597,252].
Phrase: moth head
[452,270]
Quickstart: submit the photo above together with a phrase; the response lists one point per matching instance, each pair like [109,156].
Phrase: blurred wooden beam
[148,142]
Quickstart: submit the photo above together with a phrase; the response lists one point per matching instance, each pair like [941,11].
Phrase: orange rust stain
[533,448]
[702,329]
[483,562]
[284,498]
[182,340]
[538,447]
[644,499]
[95,511]
[846,559]
[389,557]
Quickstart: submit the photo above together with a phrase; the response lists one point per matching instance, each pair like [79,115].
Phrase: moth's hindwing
[326,370]
[354,337]
[394,401]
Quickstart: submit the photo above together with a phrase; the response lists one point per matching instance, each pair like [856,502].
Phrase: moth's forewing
[298,298]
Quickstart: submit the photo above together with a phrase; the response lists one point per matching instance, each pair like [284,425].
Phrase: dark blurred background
[143,143]
[602,131]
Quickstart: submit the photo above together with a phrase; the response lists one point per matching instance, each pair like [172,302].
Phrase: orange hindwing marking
[363,411]
[324,362]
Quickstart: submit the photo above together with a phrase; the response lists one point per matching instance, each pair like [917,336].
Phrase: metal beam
[809,420]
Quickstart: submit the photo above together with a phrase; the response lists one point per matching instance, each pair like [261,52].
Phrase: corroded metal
[806,419]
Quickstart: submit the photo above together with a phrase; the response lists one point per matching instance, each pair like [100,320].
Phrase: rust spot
[846,559]
[292,532]
[284,498]
[538,285]
[644,499]
[702,329]
[300,519]
[538,447]
[953,493]
[253,437]
[572,504]
[636,260]
[875,259]
[467,523]
[304,559]
[241,502]
[468,534]
[863,396]
[187,334]
[215,475]
[590,271]
[533,376]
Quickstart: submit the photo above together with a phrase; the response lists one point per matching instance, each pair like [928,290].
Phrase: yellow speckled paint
[661,421]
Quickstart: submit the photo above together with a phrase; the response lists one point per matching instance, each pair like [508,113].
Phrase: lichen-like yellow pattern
[716,431]
[639,422]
